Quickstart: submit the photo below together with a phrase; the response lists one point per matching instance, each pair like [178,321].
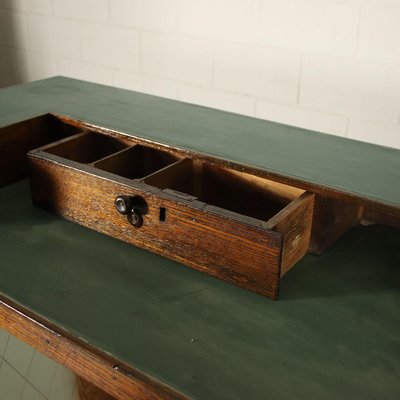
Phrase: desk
[140,326]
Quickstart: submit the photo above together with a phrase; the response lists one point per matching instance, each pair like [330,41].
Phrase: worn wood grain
[17,139]
[379,215]
[294,223]
[332,218]
[203,237]
[347,196]
[210,186]
[88,391]
[325,210]
[52,126]
[325,162]
[93,365]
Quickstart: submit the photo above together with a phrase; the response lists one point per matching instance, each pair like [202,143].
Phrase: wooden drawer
[233,225]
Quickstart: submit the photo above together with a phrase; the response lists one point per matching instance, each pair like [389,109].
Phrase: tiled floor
[26,374]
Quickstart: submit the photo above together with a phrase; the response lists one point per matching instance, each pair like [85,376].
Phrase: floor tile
[42,372]
[63,385]
[3,341]
[11,383]
[30,393]
[19,355]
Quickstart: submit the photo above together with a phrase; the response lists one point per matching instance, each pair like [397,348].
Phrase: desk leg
[87,391]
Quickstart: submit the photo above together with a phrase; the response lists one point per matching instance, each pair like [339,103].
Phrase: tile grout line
[358,31]
[18,373]
[300,79]
[35,388]
[347,127]
[30,384]
[23,377]
[54,378]
[8,341]
[58,366]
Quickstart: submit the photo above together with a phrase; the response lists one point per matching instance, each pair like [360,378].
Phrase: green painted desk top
[354,167]
[334,334]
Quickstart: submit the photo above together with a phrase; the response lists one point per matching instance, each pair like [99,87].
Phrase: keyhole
[162,214]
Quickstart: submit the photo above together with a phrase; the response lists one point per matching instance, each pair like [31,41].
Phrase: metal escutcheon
[125,205]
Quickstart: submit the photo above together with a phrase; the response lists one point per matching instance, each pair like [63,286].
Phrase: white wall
[327,65]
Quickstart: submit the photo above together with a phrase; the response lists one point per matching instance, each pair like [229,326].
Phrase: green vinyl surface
[368,171]
[334,334]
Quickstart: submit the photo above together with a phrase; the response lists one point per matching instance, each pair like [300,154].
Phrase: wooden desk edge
[104,371]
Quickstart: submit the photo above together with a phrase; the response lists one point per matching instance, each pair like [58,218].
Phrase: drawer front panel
[182,230]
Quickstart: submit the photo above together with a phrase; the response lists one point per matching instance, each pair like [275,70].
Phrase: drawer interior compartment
[18,139]
[232,190]
[136,162]
[281,208]
[86,147]
[240,227]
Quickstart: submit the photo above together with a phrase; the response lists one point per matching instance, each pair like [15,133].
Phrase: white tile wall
[257,70]
[302,117]
[161,87]
[103,45]
[91,10]
[51,36]
[129,80]
[324,27]
[385,135]
[26,374]
[177,57]
[146,83]
[35,65]
[217,99]
[221,19]
[8,75]
[30,6]
[13,29]
[157,15]
[379,36]
[85,70]
[347,87]
[326,65]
